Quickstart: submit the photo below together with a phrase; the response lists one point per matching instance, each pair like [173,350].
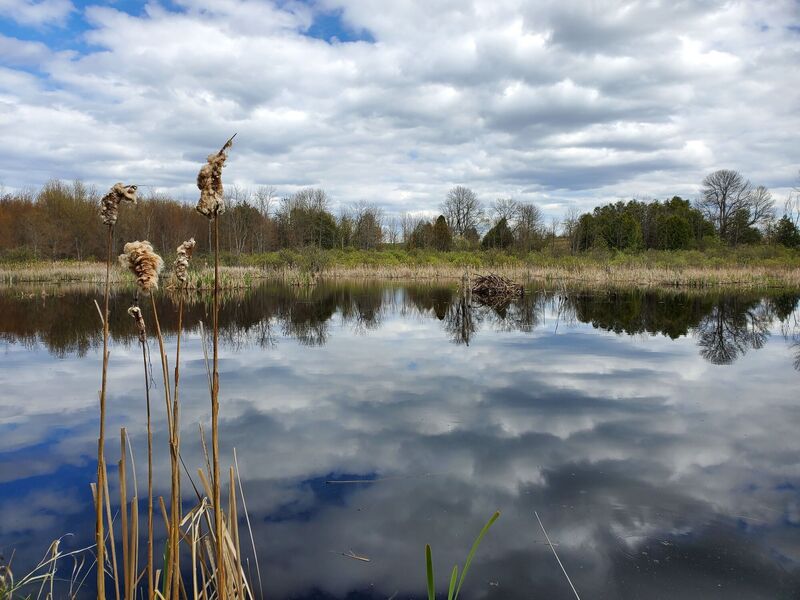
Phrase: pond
[654,433]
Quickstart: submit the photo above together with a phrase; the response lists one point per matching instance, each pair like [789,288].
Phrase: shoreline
[753,276]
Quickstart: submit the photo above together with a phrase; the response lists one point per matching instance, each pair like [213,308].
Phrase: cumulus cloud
[37,13]
[557,102]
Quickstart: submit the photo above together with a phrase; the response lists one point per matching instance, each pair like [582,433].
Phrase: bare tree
[264,199]
[407,224]
[791,208]
[570,227]
[505,208]
[238,218]
[529,226]
[368,225]
[726,193]
[462,210]
[762,206]
[391,230]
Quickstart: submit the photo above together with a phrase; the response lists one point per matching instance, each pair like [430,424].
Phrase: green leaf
[453,578]
[429,569]
[471,554]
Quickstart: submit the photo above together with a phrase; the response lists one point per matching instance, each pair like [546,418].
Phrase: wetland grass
[687,270]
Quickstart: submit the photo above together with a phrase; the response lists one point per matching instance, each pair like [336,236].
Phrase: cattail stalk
[101,470]
[108,213]
[167,388]
[136,313]
[146,265]
[218,514]
[185,251]
[212,205]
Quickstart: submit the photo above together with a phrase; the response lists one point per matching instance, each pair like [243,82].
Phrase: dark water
[655,434]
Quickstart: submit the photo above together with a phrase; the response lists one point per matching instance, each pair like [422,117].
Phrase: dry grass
[752,276]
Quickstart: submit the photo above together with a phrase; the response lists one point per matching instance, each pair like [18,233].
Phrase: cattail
[144,263]
[182,261]
[136,313]
[109,204]
[209,181]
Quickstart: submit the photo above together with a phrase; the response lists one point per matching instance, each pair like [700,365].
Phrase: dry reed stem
[136,313]
[249,526]
[211,204]
[123,507]
[217,500]
[101,468]
[144,263]
[167,402]
[109,204]
[181,266]
[112,544]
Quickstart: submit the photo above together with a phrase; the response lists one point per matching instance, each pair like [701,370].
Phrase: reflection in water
[659,474]
[725,325]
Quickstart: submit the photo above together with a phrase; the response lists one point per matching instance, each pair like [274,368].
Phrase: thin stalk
[218,513]
[167,388]
[101,467]
[175,515]
[123,505]
[150,579]
[112,545]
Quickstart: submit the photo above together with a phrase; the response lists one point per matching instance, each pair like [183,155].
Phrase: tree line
[730,210]
[60,221]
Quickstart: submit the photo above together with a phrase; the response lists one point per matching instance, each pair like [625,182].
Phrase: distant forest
[60,221]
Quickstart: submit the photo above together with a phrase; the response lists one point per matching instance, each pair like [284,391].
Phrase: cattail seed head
[109,204]
[136,313]
[209,182]
[185,251]
[144,263]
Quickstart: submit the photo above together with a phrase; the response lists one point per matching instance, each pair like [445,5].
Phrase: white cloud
[561,102]
[37,14]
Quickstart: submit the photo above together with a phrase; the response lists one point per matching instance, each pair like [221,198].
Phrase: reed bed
[208,534]
[593,275]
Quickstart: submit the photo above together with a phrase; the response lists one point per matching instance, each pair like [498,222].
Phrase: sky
[562,103]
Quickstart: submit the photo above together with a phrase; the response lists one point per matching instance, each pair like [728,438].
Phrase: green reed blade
[494,518]
[453,578]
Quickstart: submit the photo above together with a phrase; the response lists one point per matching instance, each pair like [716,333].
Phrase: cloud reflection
[658,473]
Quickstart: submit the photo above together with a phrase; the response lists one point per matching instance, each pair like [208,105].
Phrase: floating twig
[549,543]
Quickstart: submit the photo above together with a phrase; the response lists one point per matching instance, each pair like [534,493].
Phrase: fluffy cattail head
[109,204]
[182,261]
[144,263]
[209,182]
[136,313]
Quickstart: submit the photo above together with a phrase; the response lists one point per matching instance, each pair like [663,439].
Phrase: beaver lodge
[495,290]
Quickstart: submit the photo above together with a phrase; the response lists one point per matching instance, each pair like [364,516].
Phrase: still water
[656,435]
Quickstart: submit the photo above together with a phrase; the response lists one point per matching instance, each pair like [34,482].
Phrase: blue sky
[562,103]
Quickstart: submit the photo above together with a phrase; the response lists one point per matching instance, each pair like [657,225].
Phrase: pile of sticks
[493,289]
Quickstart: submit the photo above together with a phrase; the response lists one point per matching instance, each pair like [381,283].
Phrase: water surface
[654,433]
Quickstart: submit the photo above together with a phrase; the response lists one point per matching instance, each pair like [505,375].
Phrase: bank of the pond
[747,267]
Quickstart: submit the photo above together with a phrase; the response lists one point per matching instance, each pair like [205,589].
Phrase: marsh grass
[39,582]
[743,268]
